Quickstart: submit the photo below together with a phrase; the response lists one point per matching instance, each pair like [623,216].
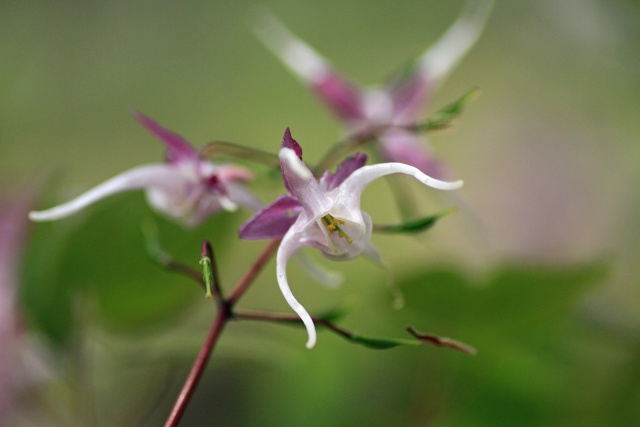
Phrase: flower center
[333,224]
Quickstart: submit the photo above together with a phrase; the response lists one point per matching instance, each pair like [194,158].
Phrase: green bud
[207,274]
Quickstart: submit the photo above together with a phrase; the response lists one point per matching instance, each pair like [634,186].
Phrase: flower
[185,187]
[394,106]
[324,214]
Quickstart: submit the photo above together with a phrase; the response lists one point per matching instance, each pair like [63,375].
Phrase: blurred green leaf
[518,319]
[45,296]
[101,254]
[381,343]
[414,226]
[442,118]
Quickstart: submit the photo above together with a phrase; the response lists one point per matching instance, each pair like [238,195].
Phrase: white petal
[227,204]
[287,248]
[137,178]
[303,184]
[244,197]
[369,249]
[294,164]
[365,175]
[301,58]
[319,272]
[441,57]
[351,189]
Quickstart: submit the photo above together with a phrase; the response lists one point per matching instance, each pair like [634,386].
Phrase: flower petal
[228,173]
[273,221]
[407,147]
[341,96]
[289,142]
[178,149]
[409,93]
[352,187]
[318,272]
[242,196]
[290,244]
[302,184]
[347,167]
[410,88]
[442,56]
[147,176]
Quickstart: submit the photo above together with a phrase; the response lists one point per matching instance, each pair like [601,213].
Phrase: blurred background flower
[538,271]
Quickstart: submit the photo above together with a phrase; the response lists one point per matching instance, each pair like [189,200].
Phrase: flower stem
[224,314]
[338,151]
[251,274]
[290,318]
[197,369]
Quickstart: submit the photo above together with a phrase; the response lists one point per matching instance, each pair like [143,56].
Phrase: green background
[538,270]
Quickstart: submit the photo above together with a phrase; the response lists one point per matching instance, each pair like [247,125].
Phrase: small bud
[207,272]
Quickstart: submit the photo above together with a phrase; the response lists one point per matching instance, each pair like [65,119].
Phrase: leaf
[414,226]
[442,118]
[522,321]
[101,254]
[380,343]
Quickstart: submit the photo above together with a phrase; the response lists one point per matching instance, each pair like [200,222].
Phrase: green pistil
[333,224]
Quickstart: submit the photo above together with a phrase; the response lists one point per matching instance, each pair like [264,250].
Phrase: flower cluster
[321,211]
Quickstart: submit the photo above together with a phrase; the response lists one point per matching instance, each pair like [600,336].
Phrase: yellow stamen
[333,224]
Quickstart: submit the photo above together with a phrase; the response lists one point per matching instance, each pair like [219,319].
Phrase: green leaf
[442,118]
[333,315]
[101,254]
[414,226]
[44,295]
[380,343]
[455,108]
[523,321]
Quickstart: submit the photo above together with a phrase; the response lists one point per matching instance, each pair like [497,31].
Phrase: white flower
[323,214]
[185,187]
[397,103]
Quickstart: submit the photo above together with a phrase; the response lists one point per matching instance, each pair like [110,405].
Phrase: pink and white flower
[393,106]
[185,187]
[324,214]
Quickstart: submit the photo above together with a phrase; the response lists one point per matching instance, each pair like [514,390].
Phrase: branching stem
[197,369]
[223,315]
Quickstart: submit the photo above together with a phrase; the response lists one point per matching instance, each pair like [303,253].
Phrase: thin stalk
[240,152]
[224,314]
[197,369]
[290,318]
[252,273]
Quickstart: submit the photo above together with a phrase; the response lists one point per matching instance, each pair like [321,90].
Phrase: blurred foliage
[522,322]
[101,258]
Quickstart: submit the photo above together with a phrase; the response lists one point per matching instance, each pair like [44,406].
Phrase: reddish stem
[291,318]
[223,316]
[249,277]
[197,369]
